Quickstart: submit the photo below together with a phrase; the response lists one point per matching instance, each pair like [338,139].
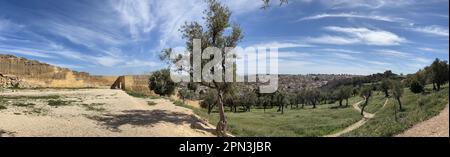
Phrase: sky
[119,37]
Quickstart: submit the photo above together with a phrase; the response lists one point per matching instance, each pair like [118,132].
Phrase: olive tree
[161,83]
[397,92]
[366,93]
[211,34]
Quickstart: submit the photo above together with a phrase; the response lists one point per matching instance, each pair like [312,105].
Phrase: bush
[416,87]
[161,83]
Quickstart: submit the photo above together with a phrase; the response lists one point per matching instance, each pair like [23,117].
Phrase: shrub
[416,87]
[161,83]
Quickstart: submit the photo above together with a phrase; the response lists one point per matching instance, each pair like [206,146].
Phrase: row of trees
[247,99]
[435,74]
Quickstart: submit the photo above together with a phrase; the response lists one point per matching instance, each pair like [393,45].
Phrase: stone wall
[135,83]
[37,74]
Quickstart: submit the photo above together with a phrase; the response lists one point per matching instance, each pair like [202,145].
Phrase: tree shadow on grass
[148,118]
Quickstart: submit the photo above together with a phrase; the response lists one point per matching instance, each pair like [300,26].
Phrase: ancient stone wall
[37,74]
[134,83]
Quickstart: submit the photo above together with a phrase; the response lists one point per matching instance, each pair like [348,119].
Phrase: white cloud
[26,52]
[365,36]
[378,63]
[341,50]
[345,56]
[433,30]
[89,37]
[369,4]
[136,15]
[335,40]
[352,15]
[392,53]
[108,61]
[281,45]
[422,60]
[139,63]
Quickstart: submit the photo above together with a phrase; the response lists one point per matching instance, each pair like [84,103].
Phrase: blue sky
[116,37]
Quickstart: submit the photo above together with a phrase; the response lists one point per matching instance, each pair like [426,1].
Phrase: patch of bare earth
[435,127]
[95,113]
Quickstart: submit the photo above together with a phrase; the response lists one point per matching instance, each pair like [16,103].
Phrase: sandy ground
[434,127]
[96,113]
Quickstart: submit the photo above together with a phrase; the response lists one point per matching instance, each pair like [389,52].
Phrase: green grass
[37,111]
[376,102]
[94,107]
[417,108]
[30,97]
[141,95]
[151,103]
[57,103]
[24,104]
[293,123]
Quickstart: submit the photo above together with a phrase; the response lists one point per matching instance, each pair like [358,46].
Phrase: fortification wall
[37,74]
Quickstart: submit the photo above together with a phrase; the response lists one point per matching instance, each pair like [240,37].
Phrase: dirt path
[367,117]
[95,113]
[435,127]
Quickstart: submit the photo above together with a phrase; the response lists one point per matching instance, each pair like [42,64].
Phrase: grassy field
[328,119]
[417,108]
[376,102]
[293,123]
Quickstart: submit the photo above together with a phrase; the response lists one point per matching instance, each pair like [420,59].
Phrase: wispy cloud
[433,30]
[378,63]
[369,4]
[341,50]
[136,15]
[359,36]
[334,40]
[281,45]
[392,53]
[352,15]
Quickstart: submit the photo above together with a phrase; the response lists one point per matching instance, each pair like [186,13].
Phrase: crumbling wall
[37,74]
[134,83]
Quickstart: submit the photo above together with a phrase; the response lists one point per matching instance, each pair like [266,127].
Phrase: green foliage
[416,87]
[439,73]
[293,123]
[24,104]
[94,107]
[417,108]
[161,83]
[209,100]
[57,103]
[151,103]
[142,95]
[385,86]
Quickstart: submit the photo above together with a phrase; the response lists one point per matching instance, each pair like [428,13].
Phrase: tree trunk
[434,86]
[364,107]
[386,93]
[400,104]
[346,102]
[210,107]
[221,128]
[438,86]
[340,103]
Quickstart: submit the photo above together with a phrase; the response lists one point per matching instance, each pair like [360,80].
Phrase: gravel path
[97,113]
[435,127]
[367,117]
